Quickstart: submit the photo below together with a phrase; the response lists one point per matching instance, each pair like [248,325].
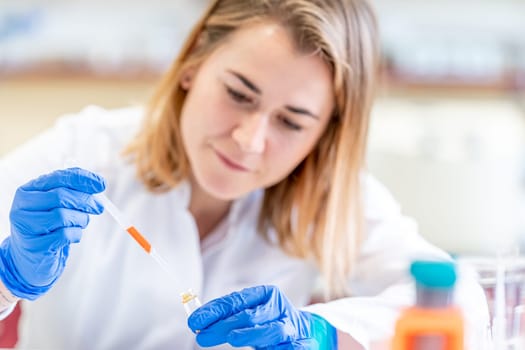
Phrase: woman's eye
[290,124]
[238,96]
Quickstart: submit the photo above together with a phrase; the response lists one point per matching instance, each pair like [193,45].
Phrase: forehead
[266,53]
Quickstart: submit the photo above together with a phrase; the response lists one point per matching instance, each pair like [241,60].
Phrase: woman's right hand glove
[47,215]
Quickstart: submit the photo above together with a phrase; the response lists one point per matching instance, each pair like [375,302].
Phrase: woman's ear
[187,78]
[190,71]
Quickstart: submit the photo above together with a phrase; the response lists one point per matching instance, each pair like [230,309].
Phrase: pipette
[189,299]
[137,236]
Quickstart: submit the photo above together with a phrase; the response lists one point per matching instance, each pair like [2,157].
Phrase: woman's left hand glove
[261,317]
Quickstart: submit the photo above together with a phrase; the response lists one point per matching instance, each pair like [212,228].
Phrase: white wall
[457,166]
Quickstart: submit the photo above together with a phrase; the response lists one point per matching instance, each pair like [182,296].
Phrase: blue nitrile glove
[47,215]
[261,317]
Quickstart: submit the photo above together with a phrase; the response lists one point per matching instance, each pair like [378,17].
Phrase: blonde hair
[316,211]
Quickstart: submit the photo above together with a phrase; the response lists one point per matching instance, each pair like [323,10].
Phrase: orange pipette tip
[139,238]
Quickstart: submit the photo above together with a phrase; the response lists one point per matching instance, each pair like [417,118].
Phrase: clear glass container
[190,301]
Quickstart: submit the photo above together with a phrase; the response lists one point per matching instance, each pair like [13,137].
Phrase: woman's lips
[230,163]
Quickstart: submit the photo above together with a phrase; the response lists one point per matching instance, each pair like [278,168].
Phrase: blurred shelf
[70,71]
[508,85]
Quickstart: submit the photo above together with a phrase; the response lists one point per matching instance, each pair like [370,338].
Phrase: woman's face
[254,110]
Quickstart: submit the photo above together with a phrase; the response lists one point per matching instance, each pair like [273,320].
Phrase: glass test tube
[190,301]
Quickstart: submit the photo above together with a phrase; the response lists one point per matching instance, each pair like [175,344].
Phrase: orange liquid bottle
[434,323]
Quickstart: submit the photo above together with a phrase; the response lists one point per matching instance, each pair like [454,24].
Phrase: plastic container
[433,323]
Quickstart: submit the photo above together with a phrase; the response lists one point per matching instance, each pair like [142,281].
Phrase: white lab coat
[113,296]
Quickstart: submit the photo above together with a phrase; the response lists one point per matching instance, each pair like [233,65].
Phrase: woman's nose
[250,134]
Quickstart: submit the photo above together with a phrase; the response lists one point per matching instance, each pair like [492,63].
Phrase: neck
[207,211]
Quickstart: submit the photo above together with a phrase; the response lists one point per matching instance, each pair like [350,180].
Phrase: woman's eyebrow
[246,82]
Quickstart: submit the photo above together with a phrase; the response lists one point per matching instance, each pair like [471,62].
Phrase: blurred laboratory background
[448,128]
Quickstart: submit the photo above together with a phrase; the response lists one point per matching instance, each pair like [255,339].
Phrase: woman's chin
[224,189]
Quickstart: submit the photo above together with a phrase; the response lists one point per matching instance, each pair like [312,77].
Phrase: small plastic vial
[190,301]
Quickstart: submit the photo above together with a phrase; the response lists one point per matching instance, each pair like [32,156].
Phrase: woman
[244,171]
